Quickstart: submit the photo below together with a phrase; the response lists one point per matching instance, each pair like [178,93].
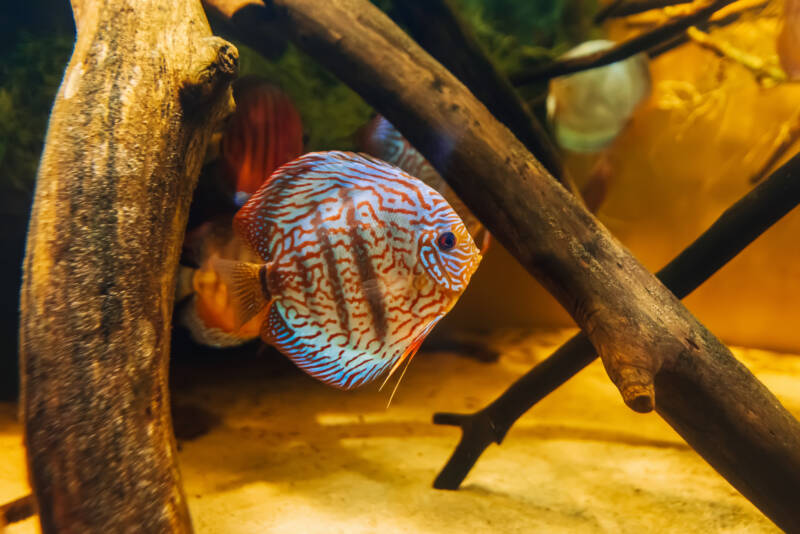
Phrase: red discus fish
[264,133]
[381,139]
[360,261]
[789,39]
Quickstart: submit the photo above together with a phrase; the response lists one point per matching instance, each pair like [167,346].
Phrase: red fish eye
[446,240]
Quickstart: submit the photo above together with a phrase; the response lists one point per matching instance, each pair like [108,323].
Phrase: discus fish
[381,139]
[789,39]
[361,260]
[208,314]
[264,133]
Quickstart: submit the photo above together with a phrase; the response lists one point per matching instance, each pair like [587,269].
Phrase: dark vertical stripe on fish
[366,272]
[262,277]
[326,247]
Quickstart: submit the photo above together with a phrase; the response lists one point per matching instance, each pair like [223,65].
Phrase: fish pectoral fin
[245,288]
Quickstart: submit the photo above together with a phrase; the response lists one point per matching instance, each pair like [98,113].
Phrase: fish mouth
[459,285]
[472,267]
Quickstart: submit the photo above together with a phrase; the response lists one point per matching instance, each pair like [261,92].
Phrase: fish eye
[446,240]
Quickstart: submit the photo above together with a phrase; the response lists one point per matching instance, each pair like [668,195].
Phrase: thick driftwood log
[125,143]
[623,50]
[435,25]
[638,327]
[734,230]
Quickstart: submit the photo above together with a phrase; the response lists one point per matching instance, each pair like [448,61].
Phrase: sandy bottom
[266,449]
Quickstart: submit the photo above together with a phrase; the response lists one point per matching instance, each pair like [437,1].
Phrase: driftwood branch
[17,510]
[622,8]
[649,343]
[763,70]
[435,25]
[721,18]
[640,43]
[788,135]
[123,150]
[734,230]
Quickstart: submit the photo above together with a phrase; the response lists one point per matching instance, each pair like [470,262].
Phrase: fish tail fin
[246,283]
[202,333]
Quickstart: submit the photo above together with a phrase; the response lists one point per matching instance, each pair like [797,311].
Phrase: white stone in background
[588,109]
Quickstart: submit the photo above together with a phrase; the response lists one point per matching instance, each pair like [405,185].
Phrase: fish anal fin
[327,362]
[246,287]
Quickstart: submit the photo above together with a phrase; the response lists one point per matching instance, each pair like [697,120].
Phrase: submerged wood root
[127,134]
[17,510]
[731,233]
[639,328]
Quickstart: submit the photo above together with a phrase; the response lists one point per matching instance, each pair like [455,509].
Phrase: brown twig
[623,50]
[622,8]
[720,19]
[731,233]
[789,134]
[17,510]
[757,65]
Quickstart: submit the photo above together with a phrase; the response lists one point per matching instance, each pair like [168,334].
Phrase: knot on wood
[214,65]
[636,386]
[631,363]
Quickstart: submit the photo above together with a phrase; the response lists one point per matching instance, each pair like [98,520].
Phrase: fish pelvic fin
[247,287]
[407,356]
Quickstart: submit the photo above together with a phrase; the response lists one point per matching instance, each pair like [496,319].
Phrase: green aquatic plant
[30,75]
[331,112]
[516,33]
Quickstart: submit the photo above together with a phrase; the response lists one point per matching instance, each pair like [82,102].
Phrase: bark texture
[124,146]
[639,328]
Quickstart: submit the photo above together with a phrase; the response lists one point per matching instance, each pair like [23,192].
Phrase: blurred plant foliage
[29,78]
[331,112]
[519,33]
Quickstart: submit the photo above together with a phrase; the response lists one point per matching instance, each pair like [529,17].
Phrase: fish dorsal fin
[246,283]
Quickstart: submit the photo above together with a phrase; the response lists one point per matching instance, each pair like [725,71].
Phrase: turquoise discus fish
[361,261]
